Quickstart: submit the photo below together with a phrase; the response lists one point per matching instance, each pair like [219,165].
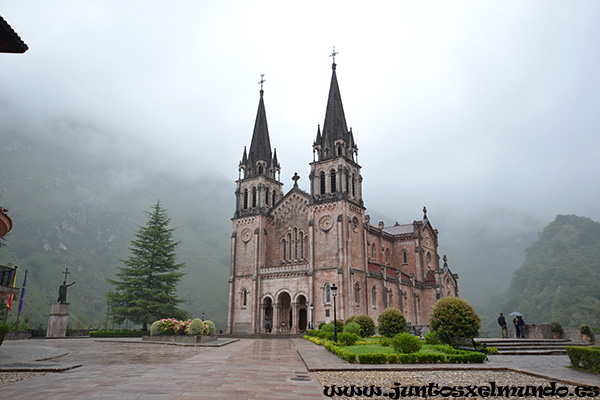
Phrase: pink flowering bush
[170,326]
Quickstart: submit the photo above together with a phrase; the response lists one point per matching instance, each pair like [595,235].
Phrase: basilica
[297,254]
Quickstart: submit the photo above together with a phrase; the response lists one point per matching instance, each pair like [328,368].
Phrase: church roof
[399,229]
[10,42]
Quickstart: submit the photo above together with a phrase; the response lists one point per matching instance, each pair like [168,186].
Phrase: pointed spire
[275,162]
[260,146]
[334,127]
[244,157]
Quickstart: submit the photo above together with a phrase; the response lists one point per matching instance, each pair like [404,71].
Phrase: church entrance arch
[302,313]
[284,301]
[267,323]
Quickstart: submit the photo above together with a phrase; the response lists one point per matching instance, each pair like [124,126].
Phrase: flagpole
[10,297]
[21,300]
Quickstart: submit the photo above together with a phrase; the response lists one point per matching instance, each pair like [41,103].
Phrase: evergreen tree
[145,291]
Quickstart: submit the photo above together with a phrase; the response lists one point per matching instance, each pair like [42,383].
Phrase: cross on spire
[262,80]
[332,55]
[66,272]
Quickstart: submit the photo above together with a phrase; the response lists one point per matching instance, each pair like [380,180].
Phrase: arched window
[404,257]
[283,243]
[254,197]
[347,182]
[260,169]
[387,256]
[322,178]
[333,182]
[373,252]
[295,243]
[302,245]
[273,197]
[339,150]
[373,297]
[327,293]
[289,236]
[267,197]
[353,185]
[244,298]
[245,199]
[356,293]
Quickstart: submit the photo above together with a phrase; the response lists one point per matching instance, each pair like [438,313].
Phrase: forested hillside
[560,277]
[76,201]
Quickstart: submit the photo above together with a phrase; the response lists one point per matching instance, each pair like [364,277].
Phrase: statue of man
[62,292]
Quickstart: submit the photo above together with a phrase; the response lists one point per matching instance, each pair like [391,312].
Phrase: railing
[7,276]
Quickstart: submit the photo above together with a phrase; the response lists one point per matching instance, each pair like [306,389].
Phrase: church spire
[335,130]
[260,160]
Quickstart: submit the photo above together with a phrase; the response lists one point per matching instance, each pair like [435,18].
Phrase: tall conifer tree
[145,291]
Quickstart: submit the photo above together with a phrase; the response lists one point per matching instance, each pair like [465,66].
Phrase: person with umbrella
[516,323]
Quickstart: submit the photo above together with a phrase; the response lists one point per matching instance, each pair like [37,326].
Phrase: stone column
[58,321]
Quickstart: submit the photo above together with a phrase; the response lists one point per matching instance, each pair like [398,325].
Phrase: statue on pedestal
[62,292]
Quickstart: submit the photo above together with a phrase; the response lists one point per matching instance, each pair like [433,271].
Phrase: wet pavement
[245,369]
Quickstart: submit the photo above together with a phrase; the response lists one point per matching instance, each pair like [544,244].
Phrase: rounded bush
[352,327]
[347,338]
[155,328]
[326,328]
[197,327]
[406,343]
[432,338]
[321,325]
[211,327]
[391,322]
[367,325]
[454,317]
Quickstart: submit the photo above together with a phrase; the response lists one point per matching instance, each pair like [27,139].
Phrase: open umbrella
[516,314]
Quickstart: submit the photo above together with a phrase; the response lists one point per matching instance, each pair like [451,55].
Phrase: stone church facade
[289,249]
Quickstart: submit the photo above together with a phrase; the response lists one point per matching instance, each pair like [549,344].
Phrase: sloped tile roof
[399,229]
[10,42]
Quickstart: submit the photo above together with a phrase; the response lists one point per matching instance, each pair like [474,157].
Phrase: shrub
[211,327]
[155,328]
[326,328]
[321,325]
[385,341]
[406,343]
[585,329]
[197,327]
[347,338]
[312,333]
[340,352]
[555,327]
[391,322]
[432,338]
[367,325]
[352,327]
[349,320]
[491,350]
[373,358]
[454,317]
[584,357]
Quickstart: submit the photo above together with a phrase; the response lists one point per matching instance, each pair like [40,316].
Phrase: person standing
[517,328]
[521,323]
[502,323]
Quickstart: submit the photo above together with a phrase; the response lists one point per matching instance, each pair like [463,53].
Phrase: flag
[10,298]
[23,293]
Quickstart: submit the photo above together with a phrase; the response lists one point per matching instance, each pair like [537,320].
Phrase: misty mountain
[77,194]
[76,200]
[560,276]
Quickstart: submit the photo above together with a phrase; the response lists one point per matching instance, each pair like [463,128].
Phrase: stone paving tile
[248,369]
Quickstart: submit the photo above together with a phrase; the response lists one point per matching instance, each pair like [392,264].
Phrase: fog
[465,107]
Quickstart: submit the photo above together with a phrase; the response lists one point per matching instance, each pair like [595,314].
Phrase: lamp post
[202,316]
[312,316]
[334,293]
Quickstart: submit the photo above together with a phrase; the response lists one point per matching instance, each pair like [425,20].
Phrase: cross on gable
[295,179]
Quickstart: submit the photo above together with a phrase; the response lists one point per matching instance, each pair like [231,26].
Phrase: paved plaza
[243,369]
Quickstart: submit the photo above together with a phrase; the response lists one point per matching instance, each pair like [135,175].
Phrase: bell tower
[335,173]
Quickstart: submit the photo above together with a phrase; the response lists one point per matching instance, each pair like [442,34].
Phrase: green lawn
[375,347]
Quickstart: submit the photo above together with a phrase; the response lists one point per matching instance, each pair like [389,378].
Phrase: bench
[463,343]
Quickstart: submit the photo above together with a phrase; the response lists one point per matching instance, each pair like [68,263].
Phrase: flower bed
[179,338]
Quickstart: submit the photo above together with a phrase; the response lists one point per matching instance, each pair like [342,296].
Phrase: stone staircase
[513,346]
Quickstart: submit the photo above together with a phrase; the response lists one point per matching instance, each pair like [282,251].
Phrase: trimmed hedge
[373,358]
[118,333]
[3,330]
[341,353]
[585,357]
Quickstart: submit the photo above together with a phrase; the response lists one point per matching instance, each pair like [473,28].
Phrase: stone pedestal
[59,318]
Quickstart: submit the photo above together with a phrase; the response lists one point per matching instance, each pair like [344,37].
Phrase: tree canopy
[146,285]
[560,277]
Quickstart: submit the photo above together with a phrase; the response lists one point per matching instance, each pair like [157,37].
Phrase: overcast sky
[463,106]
